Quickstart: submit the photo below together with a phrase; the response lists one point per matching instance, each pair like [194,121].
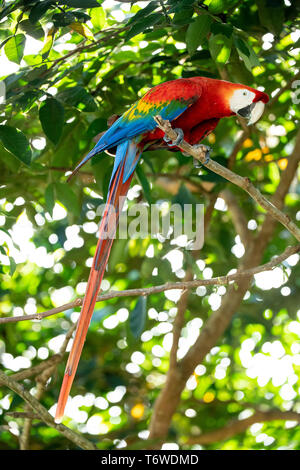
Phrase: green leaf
[222,28]
[27,100]
[51,115]
[67,151]
[81,16]
[98,18]
[142,13]
[217,6]
[96,126]
[50,198]
[183,17]
[39,10]
[67,197]
[14,48]
[48,43]
[13,164]
[197,32]
[271,14]
[241,46]
[16,142]
[63,19]
[12,266]
[145,23]
[137,318]
[80,98]
[82,29]
[144,183]
[246,53]
[80,3]
[33,30]
[220,48]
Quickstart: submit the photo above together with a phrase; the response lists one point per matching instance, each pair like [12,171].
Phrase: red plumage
[211,104]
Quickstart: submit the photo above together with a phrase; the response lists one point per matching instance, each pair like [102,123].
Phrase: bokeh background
[66,67]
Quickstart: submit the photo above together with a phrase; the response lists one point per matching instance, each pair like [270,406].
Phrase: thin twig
[22,414]
[35,370]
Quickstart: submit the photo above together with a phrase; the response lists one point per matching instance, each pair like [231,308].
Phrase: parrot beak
[256,112]
[252,112]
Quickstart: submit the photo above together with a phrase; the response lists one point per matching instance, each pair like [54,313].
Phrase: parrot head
[248,103]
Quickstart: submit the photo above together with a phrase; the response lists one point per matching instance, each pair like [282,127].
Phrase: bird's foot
[197,163]
[178,139]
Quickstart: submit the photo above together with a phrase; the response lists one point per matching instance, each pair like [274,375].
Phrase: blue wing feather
[139,119]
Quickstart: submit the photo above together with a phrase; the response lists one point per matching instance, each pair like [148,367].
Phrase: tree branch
[43,414]
[234,178]
[35,370]
[238,426]
[191,284]
[42,378]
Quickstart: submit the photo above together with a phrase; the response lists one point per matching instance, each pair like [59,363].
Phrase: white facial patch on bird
[240,99]
[242,103]
[256,112]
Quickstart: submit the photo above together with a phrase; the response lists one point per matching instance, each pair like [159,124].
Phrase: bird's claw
[178,139]
[197,163]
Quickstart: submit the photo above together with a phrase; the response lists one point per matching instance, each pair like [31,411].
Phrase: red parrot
[194,107]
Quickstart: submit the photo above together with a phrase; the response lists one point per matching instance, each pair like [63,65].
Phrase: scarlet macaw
[194,106]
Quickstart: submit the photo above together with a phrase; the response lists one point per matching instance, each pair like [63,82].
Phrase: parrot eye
[240,99]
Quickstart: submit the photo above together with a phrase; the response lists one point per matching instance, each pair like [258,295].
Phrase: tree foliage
[72,65]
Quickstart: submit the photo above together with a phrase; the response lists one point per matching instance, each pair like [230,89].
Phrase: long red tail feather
[117,193]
